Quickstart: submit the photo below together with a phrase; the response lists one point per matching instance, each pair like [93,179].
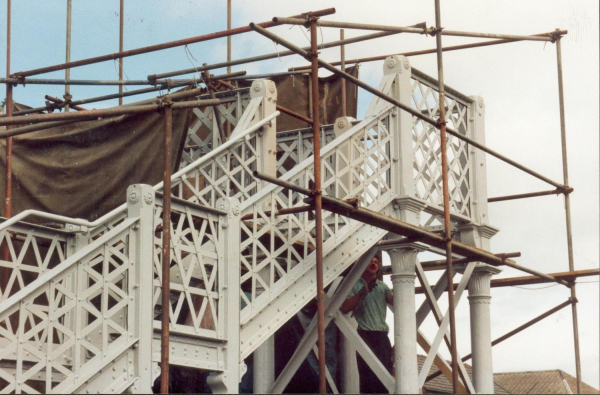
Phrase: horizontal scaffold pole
[165,82]
[426,31]
[275,55]
[405,229]
[424,51]
[108,112]
[402,106]
[159,47]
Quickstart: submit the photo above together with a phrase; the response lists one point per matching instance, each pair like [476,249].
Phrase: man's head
[372,269]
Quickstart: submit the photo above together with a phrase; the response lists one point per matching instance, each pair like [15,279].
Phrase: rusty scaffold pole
[446,196]
[318,203]
[9,110]
[166,248]
[121,33]
[565,165]
[343,68]
[67,95]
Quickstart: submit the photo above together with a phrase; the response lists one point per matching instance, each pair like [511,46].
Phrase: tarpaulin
[83,169]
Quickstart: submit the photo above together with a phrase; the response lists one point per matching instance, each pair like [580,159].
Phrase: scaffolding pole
[121,33]
[9,109]
[157,47]
[446,196]
[67,95]
[318,204]
[565,165]
[404,107]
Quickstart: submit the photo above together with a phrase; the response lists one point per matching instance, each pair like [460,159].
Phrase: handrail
[121,208]
[64,265]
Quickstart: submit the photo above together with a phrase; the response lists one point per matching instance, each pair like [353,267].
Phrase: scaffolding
[27,121]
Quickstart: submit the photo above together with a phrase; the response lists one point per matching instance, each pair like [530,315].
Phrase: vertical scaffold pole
[9,110]
[343,68]
[121,33]
[563,138]
[447,234]
[67,96]
[166,249]
[318,203]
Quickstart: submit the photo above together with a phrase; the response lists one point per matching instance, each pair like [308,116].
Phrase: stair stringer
[303,289]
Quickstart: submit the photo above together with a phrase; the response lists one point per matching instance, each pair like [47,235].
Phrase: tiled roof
[441,385]
[541,382]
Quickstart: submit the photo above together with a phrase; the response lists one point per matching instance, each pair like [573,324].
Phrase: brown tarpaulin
[82,170]
[293,92]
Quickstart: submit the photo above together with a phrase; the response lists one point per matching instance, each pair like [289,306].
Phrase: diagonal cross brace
[310,336]
[444,324]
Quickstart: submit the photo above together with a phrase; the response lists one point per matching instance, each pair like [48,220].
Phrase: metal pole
[446,194]
[158,47]
[9,108]
[68,55]
[229,37]
[228,54]
[513,332]
[368,26]
[166,249]
[402,106]
[293,114]
[92,114]
[425,51]
[273,55]
[405,229]
[317,193]
[343,64]
[563,138]
[557,191]
[121,19]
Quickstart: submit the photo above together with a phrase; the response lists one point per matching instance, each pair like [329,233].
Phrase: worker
[368,301]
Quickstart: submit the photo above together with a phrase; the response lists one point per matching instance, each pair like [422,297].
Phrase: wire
[535,289]
[553,285]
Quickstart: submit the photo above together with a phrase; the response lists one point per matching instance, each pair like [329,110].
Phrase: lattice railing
[203,134]
[197,252]
[275,250]
[296,145]
[26,252]
[57,332]
[427,148]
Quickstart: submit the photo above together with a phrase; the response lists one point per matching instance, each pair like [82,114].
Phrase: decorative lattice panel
[195,254]
[427,150]
[229,174]
[56,336]
[203,135]
[295,146]
[278,249]
[26,252]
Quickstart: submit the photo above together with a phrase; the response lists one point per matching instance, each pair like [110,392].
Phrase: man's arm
[389,298]
[351,303]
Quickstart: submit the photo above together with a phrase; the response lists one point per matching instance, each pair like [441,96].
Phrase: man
[368,301]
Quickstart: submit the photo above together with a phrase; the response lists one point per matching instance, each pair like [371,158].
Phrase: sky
[518,82]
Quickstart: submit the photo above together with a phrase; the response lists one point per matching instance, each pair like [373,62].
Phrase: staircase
[80,310]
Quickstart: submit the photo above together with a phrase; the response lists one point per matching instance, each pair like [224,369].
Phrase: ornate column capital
[403,263]
[479,284]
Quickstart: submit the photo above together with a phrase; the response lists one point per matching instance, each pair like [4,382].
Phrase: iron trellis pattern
[295,146]
[203,135]
[229,174]
[195,276]
[55,337]
[275,250]
[427,150]
[26,252]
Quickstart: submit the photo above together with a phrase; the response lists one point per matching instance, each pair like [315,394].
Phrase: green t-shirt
[370,314]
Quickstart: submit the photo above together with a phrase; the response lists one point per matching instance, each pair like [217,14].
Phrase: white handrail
[121,208]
